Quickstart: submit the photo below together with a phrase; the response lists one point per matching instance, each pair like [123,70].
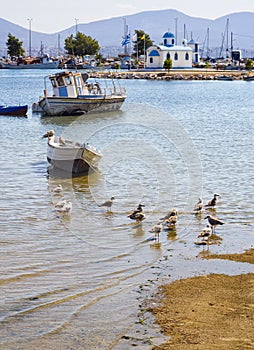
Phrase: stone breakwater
[172,75]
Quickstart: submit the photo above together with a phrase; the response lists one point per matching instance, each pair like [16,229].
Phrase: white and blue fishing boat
[74,93]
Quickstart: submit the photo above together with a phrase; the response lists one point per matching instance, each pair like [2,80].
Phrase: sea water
[73,281]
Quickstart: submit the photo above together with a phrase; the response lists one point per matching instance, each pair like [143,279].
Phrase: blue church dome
[168,35]
[168,39]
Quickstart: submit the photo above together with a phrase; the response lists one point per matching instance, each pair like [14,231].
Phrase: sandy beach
[215,311]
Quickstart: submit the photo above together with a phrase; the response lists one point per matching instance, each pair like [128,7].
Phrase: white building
[181,55]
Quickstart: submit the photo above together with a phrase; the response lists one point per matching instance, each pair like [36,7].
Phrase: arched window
[151,60]
[168,56]
[173,41]
[176,56]
[187,56]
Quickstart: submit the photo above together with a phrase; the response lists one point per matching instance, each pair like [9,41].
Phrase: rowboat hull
[73,161]
[55,106]
[16,111]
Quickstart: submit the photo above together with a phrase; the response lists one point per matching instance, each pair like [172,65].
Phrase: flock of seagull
[166,223]
[170,219]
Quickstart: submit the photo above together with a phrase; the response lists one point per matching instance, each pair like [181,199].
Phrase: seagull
[137,213]
[173,212]
[66,208]
[198,206]
[108,203]
[205,233]
[58,189]
[61,203]
[50,135]
[212,203]
[172,220]
[214,222]
[156,229]
[138,216]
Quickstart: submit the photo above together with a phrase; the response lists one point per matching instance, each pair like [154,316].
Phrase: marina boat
[73,158]
[248,78]
[225,77]
[74,94]
[44,62]
[16,111]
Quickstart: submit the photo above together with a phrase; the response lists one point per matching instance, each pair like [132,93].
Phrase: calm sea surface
[74,281]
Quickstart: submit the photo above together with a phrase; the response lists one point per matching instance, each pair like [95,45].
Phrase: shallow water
[73,281]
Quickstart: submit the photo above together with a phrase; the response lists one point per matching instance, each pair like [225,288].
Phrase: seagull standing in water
[206,233]
[108,203]
[198,206]
[156,229]
[173,212]
[137,213]
[66,208]
[57,189]
[214,222]
[212,203]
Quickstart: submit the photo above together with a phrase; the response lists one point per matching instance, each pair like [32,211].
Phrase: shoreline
[213,311]
[183,74]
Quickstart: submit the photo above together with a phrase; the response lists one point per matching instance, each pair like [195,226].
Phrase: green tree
[81,45]
[142,43]
[14,46]
[167,64]
[248,64]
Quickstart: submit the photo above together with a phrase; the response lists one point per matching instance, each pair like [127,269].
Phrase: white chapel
[181,55]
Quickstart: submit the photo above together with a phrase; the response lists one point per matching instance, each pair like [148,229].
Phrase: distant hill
[109,32]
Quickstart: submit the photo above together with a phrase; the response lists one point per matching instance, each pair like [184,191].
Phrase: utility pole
[30,36]
[76,25]
[176,19]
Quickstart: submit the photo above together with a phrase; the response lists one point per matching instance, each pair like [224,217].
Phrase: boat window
[68,80]
[53,82]
[60,81]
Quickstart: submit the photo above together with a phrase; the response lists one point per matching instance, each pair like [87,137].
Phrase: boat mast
[125,33]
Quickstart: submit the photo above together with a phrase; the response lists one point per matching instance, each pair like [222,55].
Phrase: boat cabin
[69,84]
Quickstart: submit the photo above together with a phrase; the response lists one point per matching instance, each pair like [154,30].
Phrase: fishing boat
[18,111]
[73,158]
[74,93]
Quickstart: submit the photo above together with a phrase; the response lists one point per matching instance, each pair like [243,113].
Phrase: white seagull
[205,233]
[66,208]
[57,189]
[156,229]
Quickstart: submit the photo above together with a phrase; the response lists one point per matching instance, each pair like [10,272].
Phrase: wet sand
[215,311]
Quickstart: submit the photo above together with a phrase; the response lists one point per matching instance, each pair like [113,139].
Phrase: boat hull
[16,111]
[50,65]
[73,161]
[55,106]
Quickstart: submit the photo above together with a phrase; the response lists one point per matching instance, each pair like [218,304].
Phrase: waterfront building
[181,55]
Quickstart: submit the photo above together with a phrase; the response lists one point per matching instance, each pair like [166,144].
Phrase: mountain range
[214,35]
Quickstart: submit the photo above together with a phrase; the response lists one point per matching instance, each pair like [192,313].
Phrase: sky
[52,16]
